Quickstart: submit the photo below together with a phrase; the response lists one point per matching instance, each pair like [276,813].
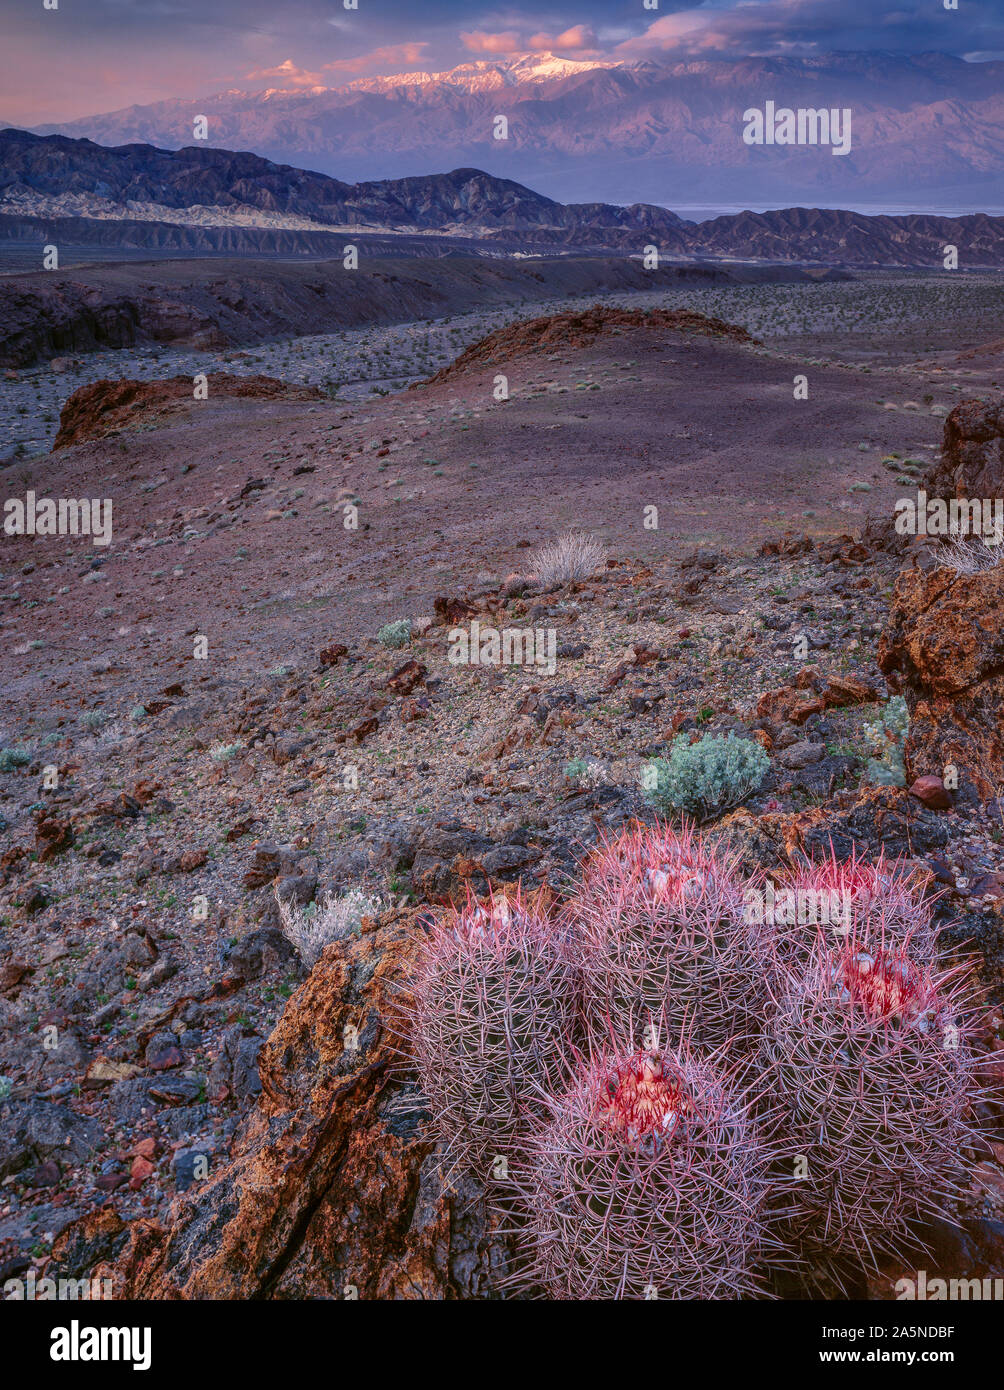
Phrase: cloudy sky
[89,56]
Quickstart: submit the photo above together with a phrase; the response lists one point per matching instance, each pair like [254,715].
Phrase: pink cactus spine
[868,1063]
[647,1181]
[493,1000]
[882,899]
[657,929]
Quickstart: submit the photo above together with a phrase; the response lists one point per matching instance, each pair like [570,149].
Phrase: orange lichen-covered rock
[943,649]
[334,1188]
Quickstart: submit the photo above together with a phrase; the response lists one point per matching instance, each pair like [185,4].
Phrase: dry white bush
[972,554]
[310,929]
[572,556]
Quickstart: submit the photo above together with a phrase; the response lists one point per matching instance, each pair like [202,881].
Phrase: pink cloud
[479,41]
[406,53]
[579,37]
[770,26]
[289,73]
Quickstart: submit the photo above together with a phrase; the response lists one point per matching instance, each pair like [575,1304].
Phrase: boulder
[972,453]
[943,650]
[335,1187]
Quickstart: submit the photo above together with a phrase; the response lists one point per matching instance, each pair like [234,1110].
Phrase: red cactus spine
[647,1182]
[884,899]
[658,930]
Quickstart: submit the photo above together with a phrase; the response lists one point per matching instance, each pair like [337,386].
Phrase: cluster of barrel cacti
[671,1093]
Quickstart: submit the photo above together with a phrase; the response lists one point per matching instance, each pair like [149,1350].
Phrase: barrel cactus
[884,899]
[658,931]
[647,1181]
[868,1064]
[491,1013]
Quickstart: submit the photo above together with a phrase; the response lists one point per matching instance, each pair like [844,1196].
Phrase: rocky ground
[888,324]
[182,1109]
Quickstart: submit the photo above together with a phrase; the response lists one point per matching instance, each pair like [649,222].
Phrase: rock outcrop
[335,1187]
[577,328]
[855,823]
[972,455]
[107,407]
[943,650]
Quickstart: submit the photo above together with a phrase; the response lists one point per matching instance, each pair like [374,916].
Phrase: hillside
[216,303]
[201,1109]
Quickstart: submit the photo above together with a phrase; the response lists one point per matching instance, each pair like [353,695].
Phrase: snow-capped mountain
[928,130]
[490,75]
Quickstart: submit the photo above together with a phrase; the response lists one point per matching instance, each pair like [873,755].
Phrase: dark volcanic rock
[861,823]
[37,1129]
[334,1188]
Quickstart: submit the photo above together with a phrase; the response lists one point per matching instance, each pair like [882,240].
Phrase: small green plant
[224,752]
[702,778]
[586,772]
[886,737]
[137,713]
[6,1086]
[10,758]
[395,634]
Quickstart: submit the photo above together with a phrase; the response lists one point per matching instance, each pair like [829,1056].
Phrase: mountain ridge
[205,199]
[928,127]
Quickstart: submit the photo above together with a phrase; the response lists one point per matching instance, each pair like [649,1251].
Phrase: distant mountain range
[927,129]
[200,199]
[137,177]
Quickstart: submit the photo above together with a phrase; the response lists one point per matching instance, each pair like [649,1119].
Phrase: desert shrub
[587,772]
[395,634]
[17,756]
[886,737]
[972,555]
[309,929]
[570,557]
[223,752]
[702,778]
